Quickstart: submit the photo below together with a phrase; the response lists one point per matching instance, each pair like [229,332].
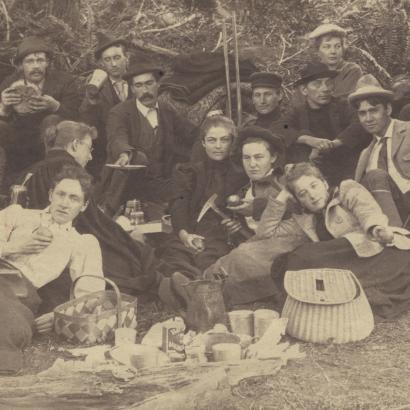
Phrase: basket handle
[112,284]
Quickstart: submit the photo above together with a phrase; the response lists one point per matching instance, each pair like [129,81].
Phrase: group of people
[326,185]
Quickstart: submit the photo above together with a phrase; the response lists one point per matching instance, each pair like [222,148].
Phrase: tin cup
[262,318]
[19,195]
[226,352]
[96,82]
[142,356]
[241,322]
[125,336]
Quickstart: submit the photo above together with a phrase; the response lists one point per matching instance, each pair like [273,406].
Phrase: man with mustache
[143,130]
[53,97]
[384,166]
[326,131]
[112,57]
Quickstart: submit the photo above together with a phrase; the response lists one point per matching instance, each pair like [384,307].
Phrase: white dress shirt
[121,88]
[80,253]
[151,114]
[402,183]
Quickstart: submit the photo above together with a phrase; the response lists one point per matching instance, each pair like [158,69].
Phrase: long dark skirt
[384,277]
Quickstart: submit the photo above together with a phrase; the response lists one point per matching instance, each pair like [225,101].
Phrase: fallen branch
[155,49]
[283,49]
[293,55]
[172,26]
[218,43]
[139,14]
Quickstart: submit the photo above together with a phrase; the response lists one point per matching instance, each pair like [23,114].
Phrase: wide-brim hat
[254,131]
[143,68]
[314,70]
[368,86]
[104,41]
[324,29]
[265,79]
[30,45]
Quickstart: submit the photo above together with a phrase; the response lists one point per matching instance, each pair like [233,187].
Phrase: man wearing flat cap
[32,98]
[143,130]
[384,166]
[323,124]
[266,98]
[112,57]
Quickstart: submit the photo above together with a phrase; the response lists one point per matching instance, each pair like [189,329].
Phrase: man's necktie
[382,160]
[119,88]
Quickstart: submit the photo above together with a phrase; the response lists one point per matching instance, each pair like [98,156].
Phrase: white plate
[125,167]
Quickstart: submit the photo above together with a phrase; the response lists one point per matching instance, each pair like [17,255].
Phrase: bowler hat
[31,45]
[254,131]
[265,79]
[368,86]
[314,70]
[143,68]
[104,41]
[324,29]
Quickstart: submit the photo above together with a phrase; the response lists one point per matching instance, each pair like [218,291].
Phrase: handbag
[92,318]
[326,305]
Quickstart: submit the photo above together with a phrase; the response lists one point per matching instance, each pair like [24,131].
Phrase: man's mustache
[37,72]
[147,95]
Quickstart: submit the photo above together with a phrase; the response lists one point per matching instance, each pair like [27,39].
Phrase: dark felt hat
[143,68]
[312,71]
[104,41]
[31,45]
[254,131]
[265,79]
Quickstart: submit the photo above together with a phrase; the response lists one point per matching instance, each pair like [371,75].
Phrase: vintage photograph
[205,204]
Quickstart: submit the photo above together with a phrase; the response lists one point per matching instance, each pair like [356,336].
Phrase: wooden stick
[7,18]
[156,49]
[237,73]
[181,23]
[227,74]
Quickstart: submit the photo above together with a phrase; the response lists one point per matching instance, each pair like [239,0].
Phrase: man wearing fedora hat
[112,57]
[143,130]
[323,123]
[53,96]
[384,166]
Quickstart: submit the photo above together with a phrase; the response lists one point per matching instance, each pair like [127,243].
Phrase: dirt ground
[372,374]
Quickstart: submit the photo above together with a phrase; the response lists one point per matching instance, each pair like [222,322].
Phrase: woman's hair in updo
[61,134]
[217,121]
[295,171]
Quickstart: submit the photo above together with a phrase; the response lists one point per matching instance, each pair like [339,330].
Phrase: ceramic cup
[262,318]
[223,352]
[96,82]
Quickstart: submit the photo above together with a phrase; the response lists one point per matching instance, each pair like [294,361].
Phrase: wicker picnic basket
[92,318]
[326,305]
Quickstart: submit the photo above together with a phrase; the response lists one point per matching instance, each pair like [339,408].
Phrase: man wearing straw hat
[109,90]
[384,166]
[35,248]
[32,98]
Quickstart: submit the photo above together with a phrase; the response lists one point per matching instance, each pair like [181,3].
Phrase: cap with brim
[265,79]
[31,45]
[368,86]
[254,131]
[325,29]
[139,69]
[104,42]
[314,71]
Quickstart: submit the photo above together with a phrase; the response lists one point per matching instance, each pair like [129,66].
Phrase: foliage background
[270,32]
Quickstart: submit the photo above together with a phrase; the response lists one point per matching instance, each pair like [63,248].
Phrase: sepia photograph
[205,204]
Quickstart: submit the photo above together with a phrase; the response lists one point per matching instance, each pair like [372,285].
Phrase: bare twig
[293,55]
[156,49]
[8,20]
[237,72]
[283,49]
[226,60]
[268,35]
[218,43]
[181,23]
[139,14]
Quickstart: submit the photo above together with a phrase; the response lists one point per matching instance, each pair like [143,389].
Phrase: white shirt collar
[45,213]
[143,109]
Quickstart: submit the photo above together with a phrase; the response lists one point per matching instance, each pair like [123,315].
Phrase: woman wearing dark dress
[347,230]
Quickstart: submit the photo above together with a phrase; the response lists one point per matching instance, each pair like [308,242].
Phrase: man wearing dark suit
[112,57]
[144,131]
[384,166]
[55,98]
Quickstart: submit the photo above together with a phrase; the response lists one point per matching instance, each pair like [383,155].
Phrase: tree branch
[181,23]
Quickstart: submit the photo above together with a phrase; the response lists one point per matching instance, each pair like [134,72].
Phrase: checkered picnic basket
[93,318]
